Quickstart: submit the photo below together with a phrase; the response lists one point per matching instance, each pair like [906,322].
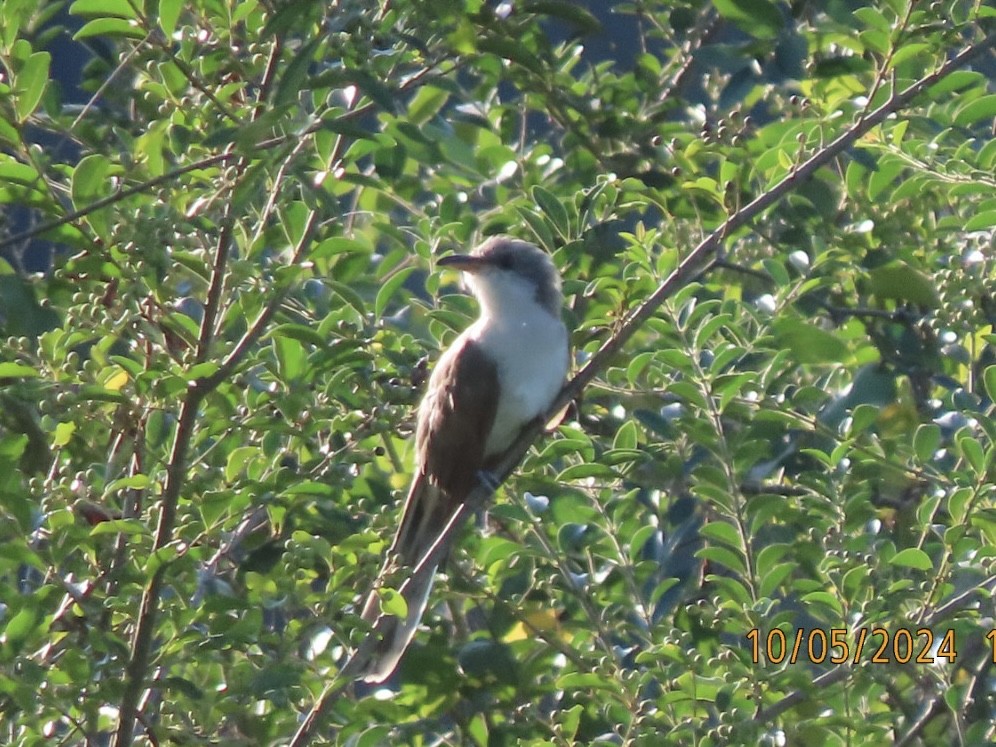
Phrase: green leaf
[9,134]
[294,219]
[855,580]
[724,556]
[201,370]
[159,558]
[899,281]
[554,210]
[571,12]
[137,481]
[873,18]
[983,107]
[392,603]
[912,557]
[339,245]
[30,84]
[627,436]
[389,288]
[169,14]
[863,417]
[759,18]
[825,598]
[593,681]
[240,460]
[296,73]
[63,433]
[989,379]
[835,67]
[583,471]
[19,627]
[291,356]
[926,441]
[981,221]
[773,579]
[374,736]
[539,227]
[300,332]
[570,720]
[109,27]
[985,521]
[89,180]
[908,52]
[17,371]
[766,559]
[720,531]
[809,343]
[958,80]
[250,135]
[496,550]
[888,171]
[119,526]
[426,103]
[349,295]
[512,51]
[972,452]
[104,8]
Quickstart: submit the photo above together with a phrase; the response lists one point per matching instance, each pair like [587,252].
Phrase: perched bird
[503,372]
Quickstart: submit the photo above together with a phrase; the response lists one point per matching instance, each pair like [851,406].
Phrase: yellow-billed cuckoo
[503,372]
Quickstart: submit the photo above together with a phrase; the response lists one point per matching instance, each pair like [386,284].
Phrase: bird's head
[504,272]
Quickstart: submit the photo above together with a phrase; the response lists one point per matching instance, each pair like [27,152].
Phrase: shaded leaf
[898,281]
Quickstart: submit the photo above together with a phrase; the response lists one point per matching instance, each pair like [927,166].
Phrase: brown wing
[454,421]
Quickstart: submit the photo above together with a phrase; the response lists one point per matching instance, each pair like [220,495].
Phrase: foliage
[206,397]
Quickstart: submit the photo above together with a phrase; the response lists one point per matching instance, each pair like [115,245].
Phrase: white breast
[529,346]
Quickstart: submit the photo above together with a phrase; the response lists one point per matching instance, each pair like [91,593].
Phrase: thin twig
[825,680]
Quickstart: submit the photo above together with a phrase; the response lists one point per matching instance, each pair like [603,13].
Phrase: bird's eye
[505,262]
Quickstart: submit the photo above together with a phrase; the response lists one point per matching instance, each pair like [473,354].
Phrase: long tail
[425,514]
[394,634]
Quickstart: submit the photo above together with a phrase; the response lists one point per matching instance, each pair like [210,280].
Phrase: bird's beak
[462,262]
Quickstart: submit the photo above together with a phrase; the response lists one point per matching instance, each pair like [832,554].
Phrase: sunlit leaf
[912,557]
[30,83]
[759,18]
[169,14]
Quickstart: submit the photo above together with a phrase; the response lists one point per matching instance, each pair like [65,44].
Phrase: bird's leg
[488,479]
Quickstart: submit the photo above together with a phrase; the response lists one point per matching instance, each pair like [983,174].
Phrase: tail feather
[426,513]
[394,633]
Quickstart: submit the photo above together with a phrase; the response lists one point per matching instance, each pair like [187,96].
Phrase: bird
[497,377]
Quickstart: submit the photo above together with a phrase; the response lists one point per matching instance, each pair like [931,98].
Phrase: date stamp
[838,645]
